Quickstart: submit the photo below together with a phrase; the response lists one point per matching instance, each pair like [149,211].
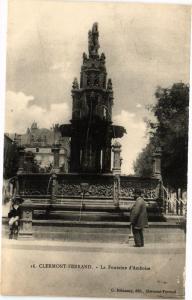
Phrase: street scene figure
[14,217]
[138,218]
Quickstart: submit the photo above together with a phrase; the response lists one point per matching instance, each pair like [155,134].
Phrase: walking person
[138,218]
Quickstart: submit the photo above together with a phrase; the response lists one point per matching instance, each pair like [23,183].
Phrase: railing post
[55,151]
[181,202]
[177,202]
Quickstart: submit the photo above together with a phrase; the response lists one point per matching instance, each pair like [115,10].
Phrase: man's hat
[17,200]
[138,192]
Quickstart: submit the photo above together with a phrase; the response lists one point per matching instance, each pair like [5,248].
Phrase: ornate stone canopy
[91,129]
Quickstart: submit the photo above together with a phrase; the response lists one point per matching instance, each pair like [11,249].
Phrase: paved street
[92,269]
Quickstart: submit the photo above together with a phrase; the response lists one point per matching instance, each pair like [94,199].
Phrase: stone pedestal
[21,159]
[157,163]
[26,220]
[116,148]
[55,150]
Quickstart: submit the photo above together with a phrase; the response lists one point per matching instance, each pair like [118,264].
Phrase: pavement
[61,268]
[48,245]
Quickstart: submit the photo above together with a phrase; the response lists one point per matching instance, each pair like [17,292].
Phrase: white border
[3,30]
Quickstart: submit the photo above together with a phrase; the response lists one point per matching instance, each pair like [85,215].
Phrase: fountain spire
[91,128]
[93,41]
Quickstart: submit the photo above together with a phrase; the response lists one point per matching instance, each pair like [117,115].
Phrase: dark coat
[138,215]
[14,212]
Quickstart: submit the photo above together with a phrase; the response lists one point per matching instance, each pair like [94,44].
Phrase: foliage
[170,131]
[11,158]
[30,164]
[143,164]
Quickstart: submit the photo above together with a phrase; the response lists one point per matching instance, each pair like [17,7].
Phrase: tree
[170,131]
[143,164]
[10,163]
[30,164]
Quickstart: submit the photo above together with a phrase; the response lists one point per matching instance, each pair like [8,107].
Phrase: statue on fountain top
[93,43]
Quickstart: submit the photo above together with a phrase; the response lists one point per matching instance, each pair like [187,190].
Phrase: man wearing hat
[138,218]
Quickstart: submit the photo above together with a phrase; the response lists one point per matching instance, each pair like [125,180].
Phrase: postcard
[95,149]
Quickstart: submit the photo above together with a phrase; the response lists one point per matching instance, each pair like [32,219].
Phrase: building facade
[39,142]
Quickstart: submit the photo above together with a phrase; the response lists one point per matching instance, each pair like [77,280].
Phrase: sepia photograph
[95,162]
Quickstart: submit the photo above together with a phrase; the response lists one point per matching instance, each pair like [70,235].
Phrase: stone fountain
[93,200]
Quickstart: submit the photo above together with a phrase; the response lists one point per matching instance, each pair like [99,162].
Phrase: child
[14,216]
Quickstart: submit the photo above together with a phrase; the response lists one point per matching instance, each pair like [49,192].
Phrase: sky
[146,45]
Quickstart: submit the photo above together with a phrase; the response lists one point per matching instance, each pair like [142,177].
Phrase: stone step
[83,236]
[95,231]
[87,206]
[168,234]
[80,215]
[90,231]
[72,200]
[91,227]
[72,204]
[93,200]
[121,212]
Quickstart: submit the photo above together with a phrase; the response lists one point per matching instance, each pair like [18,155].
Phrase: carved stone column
[55,151]
[75,155]
[116,190]
[157,163]
[26,220]
[21,159]
[107,159]
[54,188]
[116,148]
